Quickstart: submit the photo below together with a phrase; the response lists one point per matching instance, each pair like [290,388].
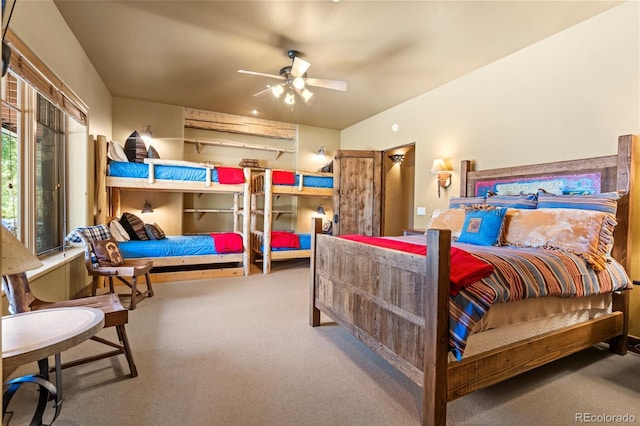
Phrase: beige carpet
[238,351]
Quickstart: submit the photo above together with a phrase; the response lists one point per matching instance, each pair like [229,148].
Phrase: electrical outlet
[421,211]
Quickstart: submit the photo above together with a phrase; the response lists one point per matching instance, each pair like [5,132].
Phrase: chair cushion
[107,252]
[134,226]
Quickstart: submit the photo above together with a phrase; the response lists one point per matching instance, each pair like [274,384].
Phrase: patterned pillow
[522,201]
[457,202]
[482,226]
[91,233]
[606,202]
[154,232]
[107,252]
[586,233]
[451,219]
[152,153]
[134,226]
[135,148]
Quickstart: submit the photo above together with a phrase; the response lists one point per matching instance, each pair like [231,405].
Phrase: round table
[37,335]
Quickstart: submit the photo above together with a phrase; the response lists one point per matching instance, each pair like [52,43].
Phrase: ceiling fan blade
[263,92]
[261,74]
[327,84]
[299,67]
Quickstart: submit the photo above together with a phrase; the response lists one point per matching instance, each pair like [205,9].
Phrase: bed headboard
[610,173]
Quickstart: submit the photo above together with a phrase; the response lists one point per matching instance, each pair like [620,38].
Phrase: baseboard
[634,344]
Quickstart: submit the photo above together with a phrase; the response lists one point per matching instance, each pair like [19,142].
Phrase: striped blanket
[521,273]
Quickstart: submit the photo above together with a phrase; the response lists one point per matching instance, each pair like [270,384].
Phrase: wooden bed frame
[407,324]
[108,198]
[262,184]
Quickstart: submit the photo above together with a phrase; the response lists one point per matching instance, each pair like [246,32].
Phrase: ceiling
[187,53]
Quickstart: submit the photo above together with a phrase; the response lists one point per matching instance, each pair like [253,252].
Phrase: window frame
[36,79]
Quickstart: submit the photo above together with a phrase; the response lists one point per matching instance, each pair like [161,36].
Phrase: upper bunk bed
[268,245]
[408,308]
[112,177]
[288,182]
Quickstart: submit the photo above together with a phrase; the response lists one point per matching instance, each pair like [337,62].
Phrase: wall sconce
[320,210]
[146,133]
[396,158]
[320,152]
[444,174]
[146,208]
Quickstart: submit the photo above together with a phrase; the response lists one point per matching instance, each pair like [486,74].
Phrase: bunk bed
[177,176]
[400,303]
[268,245]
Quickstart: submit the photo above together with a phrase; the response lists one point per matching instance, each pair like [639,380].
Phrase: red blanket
[230,175]
[283,178]
[282,239]
[227,242]
[465,267]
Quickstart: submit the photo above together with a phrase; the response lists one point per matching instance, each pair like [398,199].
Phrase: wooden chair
[131,268]
[21,299]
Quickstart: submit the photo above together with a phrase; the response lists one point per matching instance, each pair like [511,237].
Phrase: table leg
[46,388]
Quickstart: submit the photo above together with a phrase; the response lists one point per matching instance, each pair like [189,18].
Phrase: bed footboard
[381,296]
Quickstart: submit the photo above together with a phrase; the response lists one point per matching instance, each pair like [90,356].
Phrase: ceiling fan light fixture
[298,83]
[306,94]
[289,99]
[277,90]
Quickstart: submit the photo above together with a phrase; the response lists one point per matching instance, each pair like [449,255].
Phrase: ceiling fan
[294,79]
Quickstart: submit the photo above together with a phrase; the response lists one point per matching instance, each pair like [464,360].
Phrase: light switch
[421,211]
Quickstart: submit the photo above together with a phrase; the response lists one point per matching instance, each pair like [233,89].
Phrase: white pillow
[116,152]
[118,232]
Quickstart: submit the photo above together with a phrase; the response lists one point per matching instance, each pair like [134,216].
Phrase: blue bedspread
[313,181]
[141,171]
[187,245]
[305,243]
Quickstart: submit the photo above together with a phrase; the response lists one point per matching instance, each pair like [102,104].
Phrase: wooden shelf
[201,212]
[200,143]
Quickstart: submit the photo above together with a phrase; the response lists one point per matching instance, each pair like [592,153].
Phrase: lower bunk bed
[445,329]
[284,246]
[190,257]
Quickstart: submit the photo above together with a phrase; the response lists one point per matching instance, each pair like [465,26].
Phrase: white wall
[568,96]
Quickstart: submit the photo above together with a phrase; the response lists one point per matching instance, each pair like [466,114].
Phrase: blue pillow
[605,202]
[522,201]
[482,226]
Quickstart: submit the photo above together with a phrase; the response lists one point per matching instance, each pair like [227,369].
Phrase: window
[33,169]
[49,177]
[40,116]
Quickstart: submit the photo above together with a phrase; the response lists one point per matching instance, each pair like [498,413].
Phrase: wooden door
[357,195]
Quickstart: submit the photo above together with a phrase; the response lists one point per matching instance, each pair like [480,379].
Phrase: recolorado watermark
[604,418]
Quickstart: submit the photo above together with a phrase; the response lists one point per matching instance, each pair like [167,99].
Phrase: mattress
[305,244]
[189,245]
[511,322]
[141,171]
[312,181]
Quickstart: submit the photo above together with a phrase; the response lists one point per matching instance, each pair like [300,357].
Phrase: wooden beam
[208,120]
